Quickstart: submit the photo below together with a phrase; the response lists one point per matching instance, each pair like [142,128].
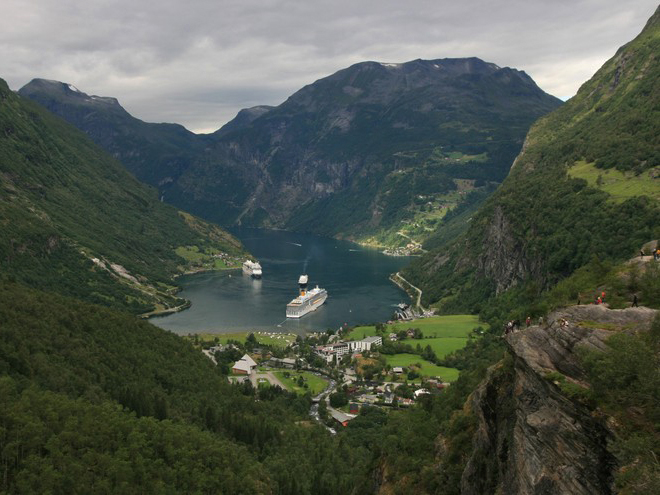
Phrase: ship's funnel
[302,282]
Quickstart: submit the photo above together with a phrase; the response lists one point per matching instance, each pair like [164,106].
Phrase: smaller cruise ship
[307,301]
[252,268]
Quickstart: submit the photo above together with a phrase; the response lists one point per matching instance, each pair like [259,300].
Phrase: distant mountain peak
[458,65]
[61,89]
[244,118]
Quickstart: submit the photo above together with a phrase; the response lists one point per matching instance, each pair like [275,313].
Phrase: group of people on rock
[513,325]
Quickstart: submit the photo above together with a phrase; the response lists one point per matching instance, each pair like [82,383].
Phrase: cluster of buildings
[408,250]
[329,352]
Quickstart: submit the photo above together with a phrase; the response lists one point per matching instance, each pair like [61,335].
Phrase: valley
[356,279]
[363,154]
[525,230]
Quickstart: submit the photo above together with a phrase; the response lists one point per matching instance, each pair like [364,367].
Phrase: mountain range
[365,153]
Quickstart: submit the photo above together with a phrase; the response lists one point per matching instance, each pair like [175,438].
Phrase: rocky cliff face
[532,438]
[505,261]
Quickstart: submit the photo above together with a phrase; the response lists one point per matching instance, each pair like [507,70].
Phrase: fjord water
[356,279]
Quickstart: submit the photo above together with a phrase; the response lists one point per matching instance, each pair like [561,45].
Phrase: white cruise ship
[252,268]
[307,301]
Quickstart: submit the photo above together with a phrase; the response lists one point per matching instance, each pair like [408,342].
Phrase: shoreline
[206,270]
[165,311]
[187,304]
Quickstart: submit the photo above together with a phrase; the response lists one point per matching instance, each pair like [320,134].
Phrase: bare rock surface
[531,438]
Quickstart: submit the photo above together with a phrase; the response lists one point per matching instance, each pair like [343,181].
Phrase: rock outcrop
[532,438]
[506,261]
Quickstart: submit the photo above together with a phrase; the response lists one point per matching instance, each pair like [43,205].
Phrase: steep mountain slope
[150,151]
[74,221]
[586,184]
[354,154]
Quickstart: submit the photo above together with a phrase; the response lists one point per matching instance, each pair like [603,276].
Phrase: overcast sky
[198,62]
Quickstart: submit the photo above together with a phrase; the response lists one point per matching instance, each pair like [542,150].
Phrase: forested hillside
[74,221]
[97,401]
[150,151]
[586,185]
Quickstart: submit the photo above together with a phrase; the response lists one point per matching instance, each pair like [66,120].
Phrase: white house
[244,366]
[365,344]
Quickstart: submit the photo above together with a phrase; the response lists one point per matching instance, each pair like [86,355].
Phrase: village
[385,366]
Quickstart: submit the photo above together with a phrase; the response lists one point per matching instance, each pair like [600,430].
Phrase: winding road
[400,281]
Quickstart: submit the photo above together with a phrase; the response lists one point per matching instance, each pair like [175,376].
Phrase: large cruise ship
[252,268]
[307,301]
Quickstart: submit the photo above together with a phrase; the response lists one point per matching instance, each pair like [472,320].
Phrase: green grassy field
[358,333]
[426,368]
[316,384]
[441,326]
[619,185]
[275,340]
[445,334]
[437,326]
[441,345]
[205,260]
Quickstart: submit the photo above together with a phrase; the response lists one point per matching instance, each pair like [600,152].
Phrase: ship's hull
[303,305]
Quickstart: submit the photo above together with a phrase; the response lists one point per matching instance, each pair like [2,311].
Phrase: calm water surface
[356,280]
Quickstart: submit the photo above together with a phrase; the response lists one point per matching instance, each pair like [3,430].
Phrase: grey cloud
[199,62]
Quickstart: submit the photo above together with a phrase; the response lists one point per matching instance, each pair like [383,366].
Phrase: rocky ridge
[532,437]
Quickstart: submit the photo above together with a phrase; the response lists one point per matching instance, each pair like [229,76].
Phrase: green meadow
[441,326]
[444,334]
[275,340]
[423,367]
[455,326]
[315,384]
[620,185]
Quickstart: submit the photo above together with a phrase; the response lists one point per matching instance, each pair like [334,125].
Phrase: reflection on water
[356,280]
